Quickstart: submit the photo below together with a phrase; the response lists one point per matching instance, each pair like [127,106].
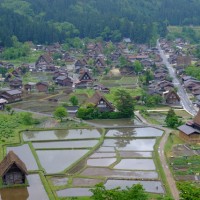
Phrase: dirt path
[168,174]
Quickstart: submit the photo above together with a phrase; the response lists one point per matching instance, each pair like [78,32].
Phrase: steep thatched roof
[10,159]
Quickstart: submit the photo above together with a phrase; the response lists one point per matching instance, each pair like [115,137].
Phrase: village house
[100,63]
[183,60]
[43,62]
[85,80]
[190,132]
[64,81]
[12,95]
[101,88]
[28,87]
[171,97]
[15,83]
[3,102]
[79,64]
[101,102]
[42,86]
[13,170]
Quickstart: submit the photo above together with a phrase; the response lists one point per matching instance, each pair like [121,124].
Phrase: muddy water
[33,192]
[136,164]
[74,192]
[106,172]
[25,155]
[130,144]
[134,132]
[65,144]
[149,186]
[61,134]
[134,154]
[101,162]
[54,161]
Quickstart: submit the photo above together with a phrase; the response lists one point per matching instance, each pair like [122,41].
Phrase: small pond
[106,172]
[34,191]
[65,144]
[130,144]
[25,155]
[55,161]
[136,164]
[149,186]
[101,162]
[61,134]
[134,132]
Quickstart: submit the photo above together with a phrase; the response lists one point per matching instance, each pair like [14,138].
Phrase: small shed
[12,170]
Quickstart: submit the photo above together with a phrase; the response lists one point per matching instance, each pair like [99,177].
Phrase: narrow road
[168,174]
[185,101]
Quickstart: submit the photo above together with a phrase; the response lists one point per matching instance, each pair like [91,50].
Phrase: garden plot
[34,191]
[134,132]
[25,155]
[55,161]
[61,134]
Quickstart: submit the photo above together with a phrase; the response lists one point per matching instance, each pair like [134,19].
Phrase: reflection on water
[65,144]
[55,161]
[134,132]
[61,134]
[101,162]
[136,164]
[130,144]
[25,155]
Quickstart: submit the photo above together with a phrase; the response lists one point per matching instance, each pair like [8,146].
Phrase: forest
[50,21]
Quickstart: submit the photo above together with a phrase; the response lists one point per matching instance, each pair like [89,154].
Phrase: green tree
[137,66]
[60,113]
[172,120]
[27,118]
[123,61]
[124,103]
[136,192]
[74,100]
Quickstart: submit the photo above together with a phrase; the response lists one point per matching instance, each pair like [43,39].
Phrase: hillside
[48,21]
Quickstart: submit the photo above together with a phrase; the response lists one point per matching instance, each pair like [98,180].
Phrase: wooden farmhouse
[2,103]
[190,132]
[64,81]
[42,86]
[171,97]
[101,102]
[84,80]
[12,170]
[12,95]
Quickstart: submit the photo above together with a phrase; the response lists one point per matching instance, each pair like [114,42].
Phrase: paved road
[185,101]
[170,179]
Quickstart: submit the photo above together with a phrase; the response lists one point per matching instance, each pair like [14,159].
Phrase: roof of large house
[83,74]
[13,92]
[169,93]
[188,130]
[10,159]
[97,97]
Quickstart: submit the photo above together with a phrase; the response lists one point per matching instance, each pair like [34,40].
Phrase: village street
[185,101]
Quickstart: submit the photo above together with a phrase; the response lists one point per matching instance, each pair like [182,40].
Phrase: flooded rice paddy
[136,164]
[126,153]
[25,155]
[55,161]
[65,144]
[134,132]
[101,162]
[61,134]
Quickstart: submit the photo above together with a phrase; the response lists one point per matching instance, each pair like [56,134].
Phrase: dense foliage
[56,20]
[172,119]
[193,71]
